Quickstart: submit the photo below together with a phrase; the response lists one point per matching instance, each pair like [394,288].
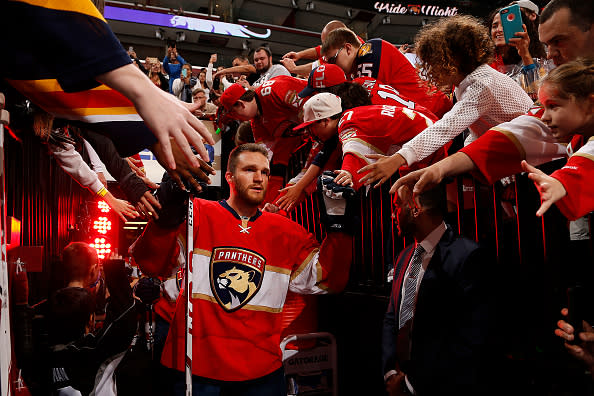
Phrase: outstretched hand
[165,115]
[122,208]
[381,170]
[551,190]
[184,168]
[420,180]
[292,194]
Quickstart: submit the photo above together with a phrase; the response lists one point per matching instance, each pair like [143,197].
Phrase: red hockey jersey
[381,60]
[241,271]
[281,108]
[377,129]
[384,94]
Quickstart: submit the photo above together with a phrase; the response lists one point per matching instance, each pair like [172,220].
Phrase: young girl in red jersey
[567,95]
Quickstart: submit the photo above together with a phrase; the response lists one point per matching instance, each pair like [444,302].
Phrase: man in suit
[437,324]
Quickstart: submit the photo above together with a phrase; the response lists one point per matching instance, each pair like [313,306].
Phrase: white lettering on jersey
[266,88]
[387,91]
[388,110]
[365,70]
[345,117]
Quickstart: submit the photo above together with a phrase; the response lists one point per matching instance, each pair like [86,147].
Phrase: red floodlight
[102,246]
[102,225]
[103,207]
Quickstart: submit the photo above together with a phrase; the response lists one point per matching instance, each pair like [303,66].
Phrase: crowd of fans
[370,111]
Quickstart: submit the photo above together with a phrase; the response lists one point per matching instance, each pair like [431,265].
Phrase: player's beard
[250,196]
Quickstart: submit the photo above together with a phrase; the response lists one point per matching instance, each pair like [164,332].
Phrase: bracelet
[102,192]
[529,67]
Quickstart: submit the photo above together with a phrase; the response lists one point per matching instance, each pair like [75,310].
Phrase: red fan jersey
[241,271]
[381,60]
[384,94]
[280,110]
[377,129]
[499,152]
[576,177]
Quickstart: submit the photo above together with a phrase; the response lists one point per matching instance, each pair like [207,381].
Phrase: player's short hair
[351,95]
[573,80]
[78,259]
[244,148]
[581,12]
[339,37]
[458,44]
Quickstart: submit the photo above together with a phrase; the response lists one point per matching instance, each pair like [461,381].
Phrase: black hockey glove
[148,290]
[174,203]
[338,204]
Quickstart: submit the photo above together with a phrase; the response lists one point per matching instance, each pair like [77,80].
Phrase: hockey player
[358,130]
[274,108]
[381,60]
[243,264]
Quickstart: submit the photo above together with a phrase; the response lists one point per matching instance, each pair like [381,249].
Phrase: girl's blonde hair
[573,79]
[452,45]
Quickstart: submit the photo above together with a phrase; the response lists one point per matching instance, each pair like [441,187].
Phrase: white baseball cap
[527,4]
[318,107]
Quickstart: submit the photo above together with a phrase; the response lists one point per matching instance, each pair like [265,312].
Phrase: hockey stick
[188,291]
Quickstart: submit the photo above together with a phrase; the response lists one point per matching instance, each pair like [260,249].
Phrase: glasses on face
[332,60]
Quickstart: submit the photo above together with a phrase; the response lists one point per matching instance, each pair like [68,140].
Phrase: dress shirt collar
[431,240]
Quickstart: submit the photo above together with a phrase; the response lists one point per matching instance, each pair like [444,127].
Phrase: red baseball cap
[231,95]
[323,76]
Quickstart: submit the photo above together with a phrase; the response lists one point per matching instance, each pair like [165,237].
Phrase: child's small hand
[343,178]
[292,195]
[551,190]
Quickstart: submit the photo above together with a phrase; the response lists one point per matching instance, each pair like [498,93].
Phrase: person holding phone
[518,52]
[172,64]
[182,86]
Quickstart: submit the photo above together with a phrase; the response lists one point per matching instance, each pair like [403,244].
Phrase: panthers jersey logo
[293,99]
[235,276]
[364,49]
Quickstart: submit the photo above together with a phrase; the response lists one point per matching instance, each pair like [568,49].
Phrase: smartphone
[511,21]
[575,307]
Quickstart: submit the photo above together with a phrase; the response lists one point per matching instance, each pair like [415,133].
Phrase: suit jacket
[451,320]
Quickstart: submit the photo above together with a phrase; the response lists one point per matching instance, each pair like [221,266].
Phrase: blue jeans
[272,384]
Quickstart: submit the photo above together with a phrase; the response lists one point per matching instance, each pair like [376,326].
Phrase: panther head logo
[239,284]
[235,276]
